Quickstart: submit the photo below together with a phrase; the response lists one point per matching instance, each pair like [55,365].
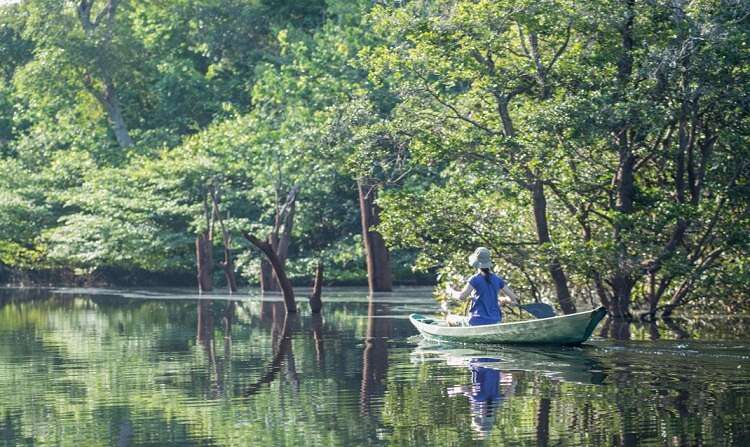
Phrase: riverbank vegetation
[600,149]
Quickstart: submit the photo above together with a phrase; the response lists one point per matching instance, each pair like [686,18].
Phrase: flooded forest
[232,222]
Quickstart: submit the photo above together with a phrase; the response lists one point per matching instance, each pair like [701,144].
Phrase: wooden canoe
[572,329]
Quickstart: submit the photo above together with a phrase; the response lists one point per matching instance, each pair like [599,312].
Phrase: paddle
[539,310]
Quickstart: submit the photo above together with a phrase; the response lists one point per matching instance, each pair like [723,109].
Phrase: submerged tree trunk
[286,285]
[267,284]
[204,261]
[315,303]
[379,276]
[622,286]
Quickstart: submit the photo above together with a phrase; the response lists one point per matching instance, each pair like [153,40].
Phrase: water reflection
[103,369]
[282,327]
[489,388]
[375,356]
[576,365]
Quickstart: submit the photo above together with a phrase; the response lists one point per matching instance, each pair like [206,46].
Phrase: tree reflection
[282,349]
[316,321]
[375,356]
[542,422]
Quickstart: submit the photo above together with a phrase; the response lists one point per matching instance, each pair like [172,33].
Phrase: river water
[86,367]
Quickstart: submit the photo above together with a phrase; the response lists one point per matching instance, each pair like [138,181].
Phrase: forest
[600,149]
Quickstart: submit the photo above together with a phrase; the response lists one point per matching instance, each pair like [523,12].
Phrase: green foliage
[495,97]
[456,110]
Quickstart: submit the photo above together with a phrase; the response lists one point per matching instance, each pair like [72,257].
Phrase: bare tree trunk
[379,276]
[315,303]
[278,267]
[267,284]
[228,263]
[204,261]
[279,239]
[285,237]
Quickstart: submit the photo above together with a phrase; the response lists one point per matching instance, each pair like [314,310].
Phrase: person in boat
[485,289]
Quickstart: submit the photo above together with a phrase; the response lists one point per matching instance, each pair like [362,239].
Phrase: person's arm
[463,294]
[456,295]
[510,296]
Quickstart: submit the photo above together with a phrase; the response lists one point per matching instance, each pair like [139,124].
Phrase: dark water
[98,367]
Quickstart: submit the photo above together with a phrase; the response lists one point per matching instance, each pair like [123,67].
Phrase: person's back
[485,308]
[484,289]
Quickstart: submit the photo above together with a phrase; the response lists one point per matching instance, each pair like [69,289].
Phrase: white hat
[480,259]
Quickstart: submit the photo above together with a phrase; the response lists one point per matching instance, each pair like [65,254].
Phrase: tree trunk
[108,97]
[228,263]
[279,239]
[284,239]
[622,282]
[315,302]
[653,297]
[267,283]
[204,261]
[622,286]
[379,276]
[116,120]
[228,266]
[278,268]
[554,267]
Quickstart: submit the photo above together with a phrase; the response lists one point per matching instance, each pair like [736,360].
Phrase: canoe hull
[570,329]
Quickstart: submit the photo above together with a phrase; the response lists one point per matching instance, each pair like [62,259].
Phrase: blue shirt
[484,307]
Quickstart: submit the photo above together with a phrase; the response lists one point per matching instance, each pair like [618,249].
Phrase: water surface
[161,367]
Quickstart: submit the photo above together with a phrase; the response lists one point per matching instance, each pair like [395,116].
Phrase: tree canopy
[600,150]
